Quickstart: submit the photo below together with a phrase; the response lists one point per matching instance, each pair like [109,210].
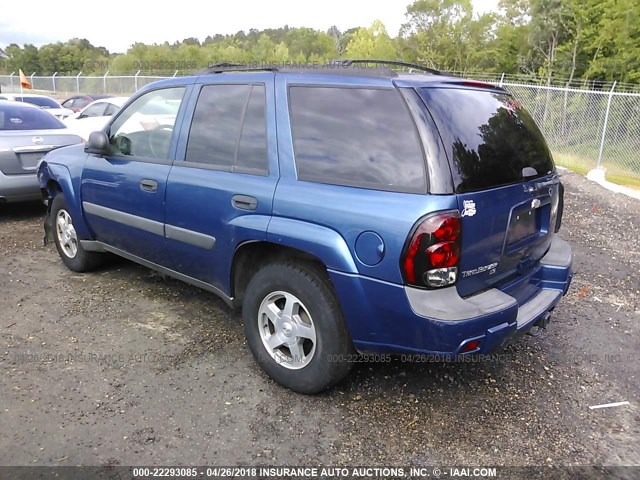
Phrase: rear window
[42,102]
[359,137]
[27,118]
[490,138]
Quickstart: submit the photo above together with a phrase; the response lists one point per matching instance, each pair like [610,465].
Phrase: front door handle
[148,185]
[244,202]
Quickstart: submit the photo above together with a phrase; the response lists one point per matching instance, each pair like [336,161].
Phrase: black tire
[330,360]
[82,261]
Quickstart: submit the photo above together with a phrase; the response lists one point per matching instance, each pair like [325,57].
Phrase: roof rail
[349,62]
[233,67]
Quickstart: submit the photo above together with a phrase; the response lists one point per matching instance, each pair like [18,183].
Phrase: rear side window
[228,131]
[489,136]
[358,137]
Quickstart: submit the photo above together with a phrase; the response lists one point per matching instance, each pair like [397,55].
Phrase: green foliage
[373,42]
[574,39]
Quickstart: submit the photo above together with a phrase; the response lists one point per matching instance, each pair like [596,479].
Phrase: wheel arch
[56,179]
[251,256]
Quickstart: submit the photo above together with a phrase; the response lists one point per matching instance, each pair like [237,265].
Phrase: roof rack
[350,62]
[234,67]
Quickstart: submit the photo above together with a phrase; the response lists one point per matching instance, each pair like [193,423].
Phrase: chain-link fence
[587,124]
[65,86]
[587,128]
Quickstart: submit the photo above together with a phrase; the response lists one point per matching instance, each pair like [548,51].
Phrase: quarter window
[358,137]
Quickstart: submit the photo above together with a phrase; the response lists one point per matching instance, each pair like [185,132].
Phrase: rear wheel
[295,328]
[66,239]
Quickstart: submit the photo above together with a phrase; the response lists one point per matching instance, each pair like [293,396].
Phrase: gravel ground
[125,367]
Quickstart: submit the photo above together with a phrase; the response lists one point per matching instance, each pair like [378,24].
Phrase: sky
[119,23]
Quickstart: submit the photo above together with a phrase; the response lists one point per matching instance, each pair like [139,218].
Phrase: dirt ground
[125,367]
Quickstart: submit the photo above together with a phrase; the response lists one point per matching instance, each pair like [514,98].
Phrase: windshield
[27,118]
[42,102]
[490,138]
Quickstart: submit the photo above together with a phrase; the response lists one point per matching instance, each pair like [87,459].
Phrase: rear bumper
[19,188]
[385,317]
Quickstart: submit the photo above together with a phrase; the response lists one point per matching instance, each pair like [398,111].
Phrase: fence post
[53,81]
[135,80]
[501,80]
[78,81]
[606,120]
[104,81]
[564,109]
[32,79]
[175,73]
[11,79]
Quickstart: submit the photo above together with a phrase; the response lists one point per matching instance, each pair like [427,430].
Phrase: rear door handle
[148,185]
[244,202]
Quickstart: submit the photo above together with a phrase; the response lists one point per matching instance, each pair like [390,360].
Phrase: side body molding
[169,231]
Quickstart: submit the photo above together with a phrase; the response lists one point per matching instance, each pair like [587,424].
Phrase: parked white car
[46,103]
[94,116]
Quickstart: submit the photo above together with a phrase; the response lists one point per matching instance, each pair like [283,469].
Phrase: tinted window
[67,103]
[252,151]
[111,110]
[216,125]
[95,110]
[27,118]
[489,136]
[356,137]
[145,127]
[44,102]
[79,103]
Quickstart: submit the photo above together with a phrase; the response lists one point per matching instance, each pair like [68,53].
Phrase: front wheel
[295,328]
[66,239]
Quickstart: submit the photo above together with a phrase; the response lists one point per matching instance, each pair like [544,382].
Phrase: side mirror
[98,144]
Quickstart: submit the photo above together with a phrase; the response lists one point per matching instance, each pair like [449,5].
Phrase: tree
[436,31]
[372,42]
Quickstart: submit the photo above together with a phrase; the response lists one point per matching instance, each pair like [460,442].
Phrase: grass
[577,164]
[630,181]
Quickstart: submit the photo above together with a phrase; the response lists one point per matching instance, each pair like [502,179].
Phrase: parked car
[26,134]
[42,101]
[78,102]
[346,210]
[94,116]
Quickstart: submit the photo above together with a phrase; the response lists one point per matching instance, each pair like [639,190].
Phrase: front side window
[228,131]
[111,110]
[145,128]
[360,137]
[95,110]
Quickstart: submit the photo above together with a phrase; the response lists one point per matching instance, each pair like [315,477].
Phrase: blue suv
[350,209]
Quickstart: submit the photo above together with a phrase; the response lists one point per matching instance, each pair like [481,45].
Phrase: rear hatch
[505,180]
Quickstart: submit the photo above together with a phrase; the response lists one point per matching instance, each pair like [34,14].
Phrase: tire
[304,364]
[67,243]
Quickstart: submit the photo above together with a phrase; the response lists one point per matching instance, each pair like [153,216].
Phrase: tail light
[432,252]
